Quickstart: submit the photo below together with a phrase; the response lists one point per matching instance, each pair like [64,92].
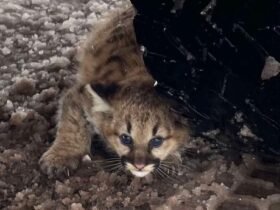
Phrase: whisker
[106,160]
[166,175]
[185,167]
[179,169]
[166,166]
[163,177]
[118,170]
[111,165]
[171,165]
[170,170]
[169,161]
[110,162]
[160,174]
[117,158]
[178,165]
[112,169]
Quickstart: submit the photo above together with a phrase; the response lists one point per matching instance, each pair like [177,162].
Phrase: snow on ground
[39,40]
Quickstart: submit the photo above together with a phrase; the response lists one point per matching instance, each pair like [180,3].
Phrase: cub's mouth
[140,172]
[140,168]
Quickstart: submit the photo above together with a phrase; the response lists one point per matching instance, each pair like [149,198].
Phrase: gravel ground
[39,40]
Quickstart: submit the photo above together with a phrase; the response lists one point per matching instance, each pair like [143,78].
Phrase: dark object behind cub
[210,56]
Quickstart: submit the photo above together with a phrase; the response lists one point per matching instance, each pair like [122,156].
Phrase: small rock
[3,184]
[9,105]
[19,196]
[3,97]
[66,201]
[68,51]
[24,86]
[6,51]
[62,190]
[59,62]
[17,117]
[46,94]
[271,68]
[39,2]
[76,206]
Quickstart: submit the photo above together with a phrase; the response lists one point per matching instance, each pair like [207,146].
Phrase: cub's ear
[179,115]
[101,95]
[105,91]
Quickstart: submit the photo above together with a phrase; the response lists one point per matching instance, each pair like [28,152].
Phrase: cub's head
[139,126]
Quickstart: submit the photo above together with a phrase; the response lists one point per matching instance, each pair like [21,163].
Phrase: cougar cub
[114,96]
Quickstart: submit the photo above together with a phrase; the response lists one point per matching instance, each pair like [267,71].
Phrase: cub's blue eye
[126,139]
[156,142]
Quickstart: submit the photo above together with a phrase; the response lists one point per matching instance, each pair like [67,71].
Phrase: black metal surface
[209,55]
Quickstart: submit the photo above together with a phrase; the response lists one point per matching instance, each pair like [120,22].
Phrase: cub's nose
[139,166]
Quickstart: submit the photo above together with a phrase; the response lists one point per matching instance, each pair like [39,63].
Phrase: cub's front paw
[55,163]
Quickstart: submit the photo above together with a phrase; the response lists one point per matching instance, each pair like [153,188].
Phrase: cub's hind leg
[72,139]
